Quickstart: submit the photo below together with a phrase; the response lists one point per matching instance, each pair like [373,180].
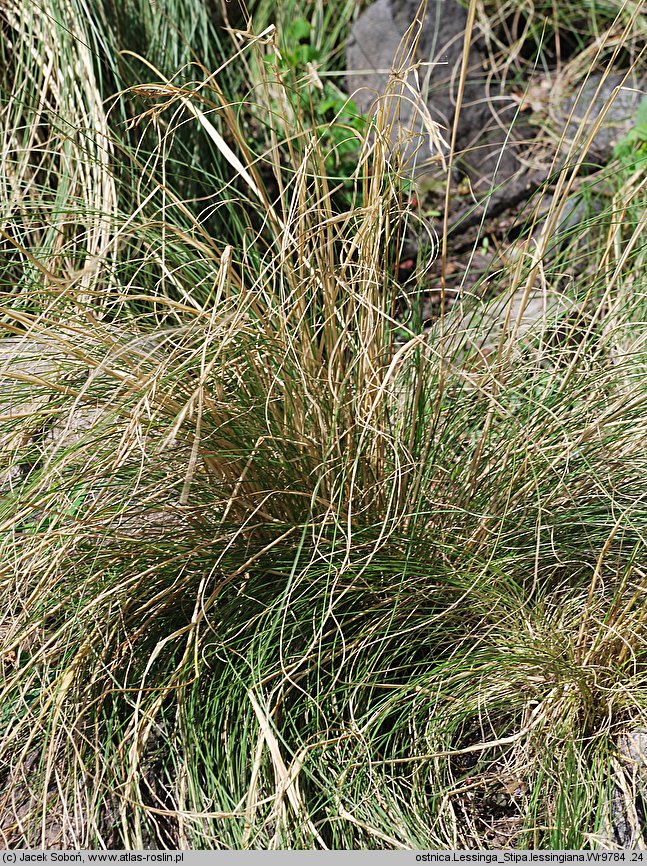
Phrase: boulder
[597,114]
[629,793]
[495,143]
[486,152]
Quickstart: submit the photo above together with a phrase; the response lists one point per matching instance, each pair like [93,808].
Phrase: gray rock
[477,327]
[577,114]
[628,830]
[440,44]
[485,153]
[26,366]
[372,52]
[625,826]
[492,139]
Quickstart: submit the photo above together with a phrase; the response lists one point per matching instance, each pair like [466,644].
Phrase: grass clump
[278,569]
